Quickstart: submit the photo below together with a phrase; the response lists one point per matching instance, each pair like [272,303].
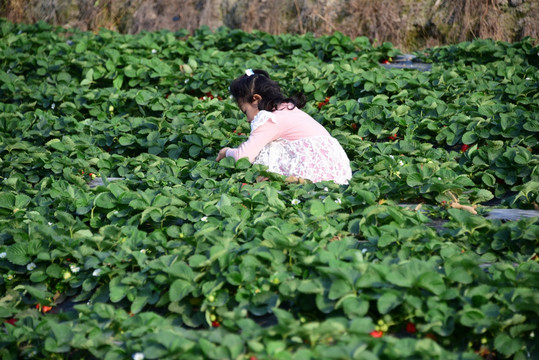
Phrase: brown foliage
[408,24]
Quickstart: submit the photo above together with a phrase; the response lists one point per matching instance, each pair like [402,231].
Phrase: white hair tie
[249,72]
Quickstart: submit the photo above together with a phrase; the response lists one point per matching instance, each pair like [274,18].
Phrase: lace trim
[260,119]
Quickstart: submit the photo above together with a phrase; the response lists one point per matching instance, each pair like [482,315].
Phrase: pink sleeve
[261,136]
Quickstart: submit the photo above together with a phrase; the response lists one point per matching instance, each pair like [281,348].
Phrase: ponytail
[259,82]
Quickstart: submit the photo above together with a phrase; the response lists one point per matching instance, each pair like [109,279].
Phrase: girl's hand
[222,153]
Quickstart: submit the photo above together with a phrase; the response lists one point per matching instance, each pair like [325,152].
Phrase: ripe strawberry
[410,328]
[215,324]
[43,308]
[376,334]
[464,147]
[385,61]
[12,321]
[354,126]
[322,103]
[392,137]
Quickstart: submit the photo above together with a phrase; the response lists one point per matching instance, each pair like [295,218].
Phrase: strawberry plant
[121,237]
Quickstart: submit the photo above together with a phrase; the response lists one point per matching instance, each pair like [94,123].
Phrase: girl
[284,138]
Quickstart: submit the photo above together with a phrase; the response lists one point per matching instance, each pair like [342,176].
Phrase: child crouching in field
[284,138]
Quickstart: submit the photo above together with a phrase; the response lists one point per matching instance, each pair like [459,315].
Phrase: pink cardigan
[285,124]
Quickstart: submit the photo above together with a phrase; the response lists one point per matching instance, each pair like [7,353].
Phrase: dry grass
[408,24]
[470,19]
[380,21]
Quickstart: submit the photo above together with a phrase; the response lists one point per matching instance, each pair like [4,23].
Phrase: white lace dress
[316,158]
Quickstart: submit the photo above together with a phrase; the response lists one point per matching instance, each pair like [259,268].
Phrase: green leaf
[432,281]
[469,137]
[16,254]
[311,286]
[179,289]
[388,301]
[317,208]
[118,81]
[105,200]
[361,325]
[7,200]
[488,179]
[55,271]
[355,307]
[414,179]
[273,198]
[117,290]
[507,345]
[339,288]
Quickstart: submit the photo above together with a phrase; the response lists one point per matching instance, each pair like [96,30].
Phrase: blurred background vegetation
[408,24]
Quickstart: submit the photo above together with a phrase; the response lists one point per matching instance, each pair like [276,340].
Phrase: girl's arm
[259,138]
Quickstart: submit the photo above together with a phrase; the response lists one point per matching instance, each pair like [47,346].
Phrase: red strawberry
[393,137]
[354,126]
[322,103]
[43,308]
[215,324]
[410,328]
[12,321]
[385,61]
[464,147]
[377,334]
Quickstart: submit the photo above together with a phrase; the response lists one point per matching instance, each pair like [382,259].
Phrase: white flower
[138,356]
[3,255]
[326,189]
[96,272]
[74,268]
[10,277]
[401,163]
[31,266]
[338,201]
[204,219]
[154,51]
[186,81]
[53,106]
[528,78]
[143,251]
[391,156]
[364,251]
[295,201]
[50,223]
[440,178]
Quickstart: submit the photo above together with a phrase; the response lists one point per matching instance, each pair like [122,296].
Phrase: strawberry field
[121,237]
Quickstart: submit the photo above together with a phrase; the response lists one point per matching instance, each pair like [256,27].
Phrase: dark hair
[244,87]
